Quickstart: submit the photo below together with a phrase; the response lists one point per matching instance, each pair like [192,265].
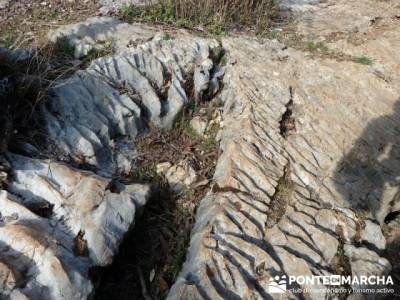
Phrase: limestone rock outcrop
[56,223]
[334,125]
[307,177]
[95,114]
[59,221]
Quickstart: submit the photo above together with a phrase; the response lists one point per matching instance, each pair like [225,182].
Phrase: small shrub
[167,36]
[62,49]
[364,60]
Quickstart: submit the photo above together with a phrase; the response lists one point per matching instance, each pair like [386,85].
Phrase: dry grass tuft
[27,82]
[215,16]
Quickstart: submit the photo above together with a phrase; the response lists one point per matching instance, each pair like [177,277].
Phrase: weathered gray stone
[99,33]
[296,202]
[4,3]
[206,79]
[57,223]
[202,77]
[234,247]
[366,263]
[372,233]
[115,97]
[114,6]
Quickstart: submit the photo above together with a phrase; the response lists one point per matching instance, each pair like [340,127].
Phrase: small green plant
[167,36]
[100,51]
[191,133]
[128,10]
[318,46]
[219,56]
[63,49]
[216,28]
[156,13]
[364,60]
[349,39]
[184,23]
[209,141]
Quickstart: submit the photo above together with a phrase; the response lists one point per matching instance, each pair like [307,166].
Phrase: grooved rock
[343,152]
[308,173]
[95,114]
[58,221]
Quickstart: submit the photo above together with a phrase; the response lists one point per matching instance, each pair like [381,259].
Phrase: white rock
[366,263]
[4,3]
[343,159]
[94,111]
[100,32]
[372,233]
[198,125]
[162,168]
[201,78]
[60,223]
[180,176]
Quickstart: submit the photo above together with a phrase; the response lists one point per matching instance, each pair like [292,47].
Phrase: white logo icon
[277,285]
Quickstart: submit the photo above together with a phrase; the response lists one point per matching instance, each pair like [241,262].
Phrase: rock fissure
[288,123]
[281,198]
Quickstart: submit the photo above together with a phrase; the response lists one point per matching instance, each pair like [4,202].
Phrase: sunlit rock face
[57,221]
[332,123]
[95,114]
[307,176]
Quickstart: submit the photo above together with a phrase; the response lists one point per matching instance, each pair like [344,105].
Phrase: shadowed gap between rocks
[152,254]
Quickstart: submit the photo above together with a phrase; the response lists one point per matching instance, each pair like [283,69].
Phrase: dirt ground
[26,22]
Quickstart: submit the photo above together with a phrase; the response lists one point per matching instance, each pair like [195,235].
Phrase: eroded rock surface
[95,113]
[334,124]
[56,221]
[307,177]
